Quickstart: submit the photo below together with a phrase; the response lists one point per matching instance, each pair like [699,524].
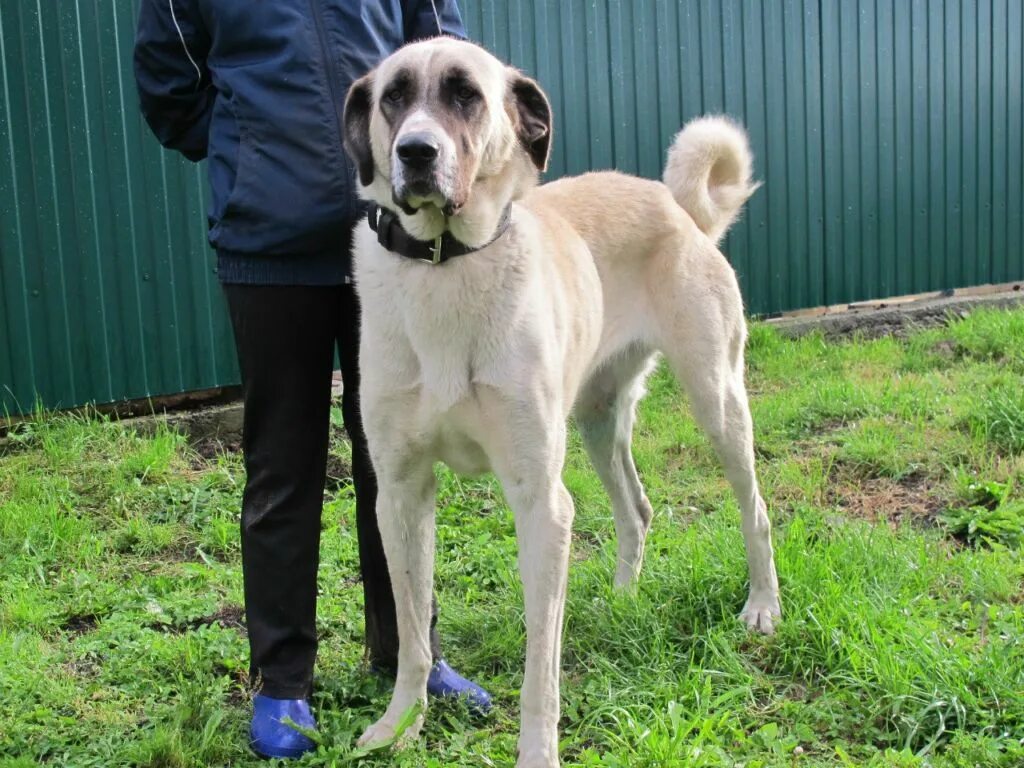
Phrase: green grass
[891,469]
[993,518]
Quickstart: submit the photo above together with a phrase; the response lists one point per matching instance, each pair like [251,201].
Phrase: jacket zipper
[332,86]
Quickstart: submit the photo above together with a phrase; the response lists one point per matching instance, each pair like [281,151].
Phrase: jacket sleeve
[175,91]
[418,16]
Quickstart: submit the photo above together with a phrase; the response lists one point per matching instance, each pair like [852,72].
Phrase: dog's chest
[457,327]
[450,347]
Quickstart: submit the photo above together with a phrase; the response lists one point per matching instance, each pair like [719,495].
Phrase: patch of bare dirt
[339,472]
[228,616]
[81,668]
[207,450]
[914,499]
[80,623]
[191,552]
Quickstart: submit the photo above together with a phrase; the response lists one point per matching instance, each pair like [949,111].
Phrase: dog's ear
[358,106]
[533,118]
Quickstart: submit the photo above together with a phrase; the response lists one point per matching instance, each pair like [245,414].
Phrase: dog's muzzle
[422,172]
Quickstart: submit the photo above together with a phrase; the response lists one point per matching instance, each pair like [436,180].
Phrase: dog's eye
[465,94]
[393,95]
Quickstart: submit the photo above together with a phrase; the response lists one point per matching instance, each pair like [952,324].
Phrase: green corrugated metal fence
[107,284]
[888,134]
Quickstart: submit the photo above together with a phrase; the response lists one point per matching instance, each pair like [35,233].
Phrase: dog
[493,310]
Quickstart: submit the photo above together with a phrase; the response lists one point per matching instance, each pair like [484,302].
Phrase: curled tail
[709,172]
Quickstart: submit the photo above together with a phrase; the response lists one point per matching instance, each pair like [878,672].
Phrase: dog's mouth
[425,173]
[413,195]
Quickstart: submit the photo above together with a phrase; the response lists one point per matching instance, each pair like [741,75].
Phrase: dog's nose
[418,150]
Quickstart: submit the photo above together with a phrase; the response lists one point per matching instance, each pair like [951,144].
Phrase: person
[258,90]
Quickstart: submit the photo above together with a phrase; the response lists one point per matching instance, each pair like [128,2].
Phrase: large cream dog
[479,361]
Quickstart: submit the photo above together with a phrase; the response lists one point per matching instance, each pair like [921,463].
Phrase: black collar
[392,235]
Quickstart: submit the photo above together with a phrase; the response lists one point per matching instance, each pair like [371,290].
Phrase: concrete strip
[216,422]
[898,319]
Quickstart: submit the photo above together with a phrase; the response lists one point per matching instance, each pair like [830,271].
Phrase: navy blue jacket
[258,88]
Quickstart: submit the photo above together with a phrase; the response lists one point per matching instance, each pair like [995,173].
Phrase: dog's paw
[380,734]
[761,612]
[388,733]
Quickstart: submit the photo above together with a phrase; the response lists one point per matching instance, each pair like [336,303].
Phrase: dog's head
[441,130]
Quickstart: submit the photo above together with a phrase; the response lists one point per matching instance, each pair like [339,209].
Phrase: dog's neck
[444,247]
[472,225]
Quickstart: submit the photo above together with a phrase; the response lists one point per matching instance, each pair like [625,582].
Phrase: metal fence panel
[107,284]
[888,134]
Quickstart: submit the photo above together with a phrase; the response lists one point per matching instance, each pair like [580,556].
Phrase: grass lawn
[894,473]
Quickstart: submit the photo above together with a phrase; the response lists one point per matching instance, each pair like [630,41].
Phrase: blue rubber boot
[445,682]
[269,737]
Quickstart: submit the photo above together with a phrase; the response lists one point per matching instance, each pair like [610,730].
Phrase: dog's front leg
[543,512]
[405,514]
[543,529]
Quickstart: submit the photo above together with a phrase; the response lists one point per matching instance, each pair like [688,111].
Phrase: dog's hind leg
[706,352]
[405,514]
[605,413]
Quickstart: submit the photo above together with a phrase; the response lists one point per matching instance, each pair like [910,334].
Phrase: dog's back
[615,213]
[707,179]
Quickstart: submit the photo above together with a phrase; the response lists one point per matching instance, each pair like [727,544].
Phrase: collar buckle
[435,250]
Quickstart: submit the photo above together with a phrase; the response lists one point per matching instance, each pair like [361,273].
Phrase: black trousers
[286,337]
